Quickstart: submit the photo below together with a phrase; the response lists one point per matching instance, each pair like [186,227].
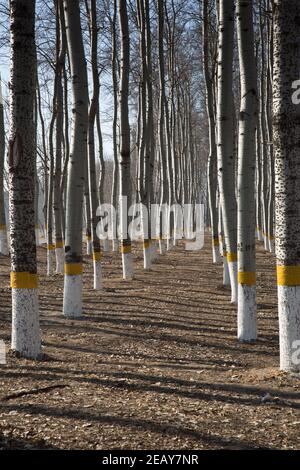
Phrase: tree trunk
[3,228]
[78,154]
[50,244]
[225,132]
[286,132]
[22,160]
[246,174]
[102,176]
[145,142]
[45,159]
[115,244]
[91,149]
[125,180]
[212,158]
[161,122]
[57,203]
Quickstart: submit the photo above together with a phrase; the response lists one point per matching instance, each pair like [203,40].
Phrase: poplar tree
[124,159]
[22,160]
[225,138]
[286,134]
[3,228]
[72,306]
[246,174]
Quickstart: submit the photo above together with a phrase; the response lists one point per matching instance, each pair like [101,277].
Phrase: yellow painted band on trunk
[126,249]
[51,247]
[247,277]
[231,257]
[97,255]
[73,269]
[23,280]
[88,238]
[215,242]
[2,227]
[146,244]
[271,237]
[288,275]
[59,244]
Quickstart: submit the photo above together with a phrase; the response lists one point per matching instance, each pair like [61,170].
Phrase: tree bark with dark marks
[3,228]
[286,134]
[22,160]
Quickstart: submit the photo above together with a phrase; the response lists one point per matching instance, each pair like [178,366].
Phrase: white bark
[60,258]
[3,241]
[77,161]
[25,323]
[50,260]
[73,296]
[226,277]
[246,174]
[286,132]
[225,138]
[3,230]
[97,274]
[289,327]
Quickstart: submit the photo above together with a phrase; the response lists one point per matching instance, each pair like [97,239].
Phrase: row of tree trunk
[252,165]
[253,149]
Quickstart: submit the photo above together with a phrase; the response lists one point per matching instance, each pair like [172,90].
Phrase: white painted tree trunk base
[221,246]
[97,275]
[169,244]
[50,262]
[37,237]
[147,257]
[89,247]
[226,277]
[60,260]
[3,243]
[115,245]
[105,246]
[266,244]
[26,338]
[247,331]
[259,235]
[289,327]
[216,254]
[271,245]
[127,263]
[153,250]
[232,268]
[72,304]
[162,247]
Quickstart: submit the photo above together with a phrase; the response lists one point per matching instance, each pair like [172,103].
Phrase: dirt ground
[154,364]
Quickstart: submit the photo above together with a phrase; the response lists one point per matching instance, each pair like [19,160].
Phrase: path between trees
[154,364]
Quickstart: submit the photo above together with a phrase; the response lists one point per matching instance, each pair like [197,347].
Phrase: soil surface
[154,363]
